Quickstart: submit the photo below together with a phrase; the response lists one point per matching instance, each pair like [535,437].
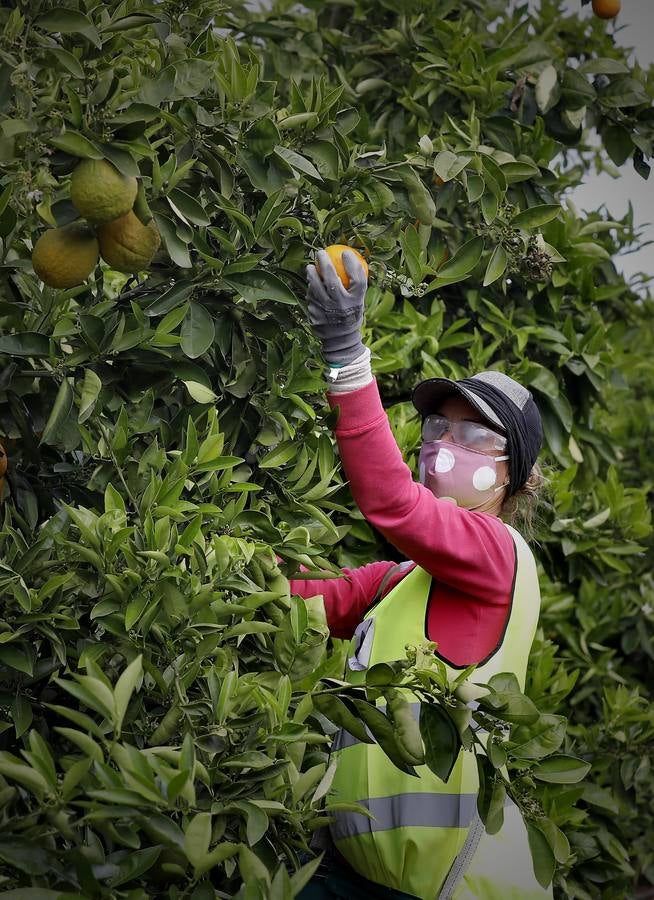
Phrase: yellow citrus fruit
[64,257]
[606,9]
[127,245]
[101,193]
[335,253]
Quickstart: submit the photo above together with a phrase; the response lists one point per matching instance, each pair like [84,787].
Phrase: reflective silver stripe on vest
[343,738]
[402,810]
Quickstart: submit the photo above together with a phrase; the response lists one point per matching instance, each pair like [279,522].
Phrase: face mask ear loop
[501,487]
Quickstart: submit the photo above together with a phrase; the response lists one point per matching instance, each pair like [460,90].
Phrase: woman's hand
[336,313]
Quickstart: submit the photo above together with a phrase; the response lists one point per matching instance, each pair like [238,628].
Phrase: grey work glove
[336,314]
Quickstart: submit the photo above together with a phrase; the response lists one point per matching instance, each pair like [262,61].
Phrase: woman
[469,584]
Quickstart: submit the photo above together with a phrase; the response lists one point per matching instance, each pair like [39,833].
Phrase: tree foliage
[171,457]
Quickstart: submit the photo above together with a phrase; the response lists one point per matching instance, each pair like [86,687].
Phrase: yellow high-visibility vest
[426,838]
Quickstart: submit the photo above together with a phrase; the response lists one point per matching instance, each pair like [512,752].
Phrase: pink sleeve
[346,599]
[473,552]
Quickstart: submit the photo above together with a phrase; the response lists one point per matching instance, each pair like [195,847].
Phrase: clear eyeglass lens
[434,427]
[469,434]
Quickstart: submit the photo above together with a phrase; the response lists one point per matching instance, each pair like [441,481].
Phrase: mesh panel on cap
[510,388]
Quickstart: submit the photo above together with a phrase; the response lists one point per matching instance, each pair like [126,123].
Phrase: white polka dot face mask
[454,472]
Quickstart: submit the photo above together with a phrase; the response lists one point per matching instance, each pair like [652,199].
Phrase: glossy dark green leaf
[197,332]
[536,216]
[25,343]
[561,769]
[257,285]
[542,856]
[441,739]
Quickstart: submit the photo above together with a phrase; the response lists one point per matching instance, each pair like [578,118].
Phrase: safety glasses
[470,434]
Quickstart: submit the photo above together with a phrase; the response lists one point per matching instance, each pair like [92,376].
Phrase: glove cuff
[352,376]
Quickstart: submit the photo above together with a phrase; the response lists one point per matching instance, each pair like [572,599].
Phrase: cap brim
[428,395]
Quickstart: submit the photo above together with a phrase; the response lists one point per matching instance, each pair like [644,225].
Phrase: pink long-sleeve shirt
[471,555]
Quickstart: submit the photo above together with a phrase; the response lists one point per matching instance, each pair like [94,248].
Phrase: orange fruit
[438,181]
[3,461]
[335,253]
[127,245]
[606,9]
[65,257]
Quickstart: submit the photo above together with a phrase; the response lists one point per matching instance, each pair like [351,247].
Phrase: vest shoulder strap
[393,570]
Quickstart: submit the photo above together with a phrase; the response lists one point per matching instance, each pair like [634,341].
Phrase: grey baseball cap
[428,394]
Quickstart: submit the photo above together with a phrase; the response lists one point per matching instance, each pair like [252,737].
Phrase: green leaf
[76,144]
[496,265]
[461,265]
[541,854]
[91,387]
[22,714]
[383,732]
[251,867]
[303,876]
[280,455]
[257,284]
[543,737]
[489,206]
[602,65]
[420,199]
[83,741]
[14,770]
[27,343]
[618,142]
[197,333]
[125,23]
[196,838]
[218,855]
[536,216]
[92,692]
[298,162]
[475,187]
[441,739]
[68,61]
[624,92]
[336,710]
[68,21]
[257,821]
[250,628]
[519,171]
[188,206]
[59,413]
[448,165]
[546,89]
[561,770]
[262,137]
[124,688]
[558,842]
[491,798]
[134,864]
[16,659]
[200,393]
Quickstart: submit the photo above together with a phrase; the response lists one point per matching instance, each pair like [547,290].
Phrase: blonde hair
[520,509]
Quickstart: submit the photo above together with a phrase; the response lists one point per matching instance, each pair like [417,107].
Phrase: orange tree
[166,705]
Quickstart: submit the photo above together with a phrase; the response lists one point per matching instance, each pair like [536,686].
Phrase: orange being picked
[606,9]
[335,253]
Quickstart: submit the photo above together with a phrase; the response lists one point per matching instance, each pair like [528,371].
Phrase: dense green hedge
[168,434]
